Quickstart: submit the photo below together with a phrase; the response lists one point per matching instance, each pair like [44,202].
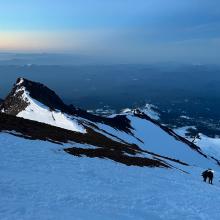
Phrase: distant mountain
[28,59]
[132,138]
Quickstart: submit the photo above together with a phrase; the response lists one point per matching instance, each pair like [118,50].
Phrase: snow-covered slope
[40,181]
[39,112]
[125,138]
[210,146]
[150,137]
[65,163]
[158,141]
[27,107]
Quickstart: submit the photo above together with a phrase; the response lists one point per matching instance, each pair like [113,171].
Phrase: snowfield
[39,181]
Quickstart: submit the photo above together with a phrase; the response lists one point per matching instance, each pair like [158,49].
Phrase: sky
[125,31]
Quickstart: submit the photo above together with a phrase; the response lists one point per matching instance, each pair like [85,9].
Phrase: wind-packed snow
[40,181]
[38,112]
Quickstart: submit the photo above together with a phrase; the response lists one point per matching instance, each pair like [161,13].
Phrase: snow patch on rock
[21,80]
[185,117]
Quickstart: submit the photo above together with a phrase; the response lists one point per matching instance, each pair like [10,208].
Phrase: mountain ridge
[14,103]
[133,138]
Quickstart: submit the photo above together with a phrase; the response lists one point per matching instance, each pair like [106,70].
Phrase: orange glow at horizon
[38,41]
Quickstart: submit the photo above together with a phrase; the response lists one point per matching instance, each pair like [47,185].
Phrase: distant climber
[208,174]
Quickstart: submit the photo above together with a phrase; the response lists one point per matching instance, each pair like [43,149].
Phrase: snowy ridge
[41,113]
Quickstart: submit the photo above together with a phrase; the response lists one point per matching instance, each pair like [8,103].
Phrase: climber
[208,174]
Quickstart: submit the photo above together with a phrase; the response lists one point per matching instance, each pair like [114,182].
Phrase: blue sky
[121,30]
